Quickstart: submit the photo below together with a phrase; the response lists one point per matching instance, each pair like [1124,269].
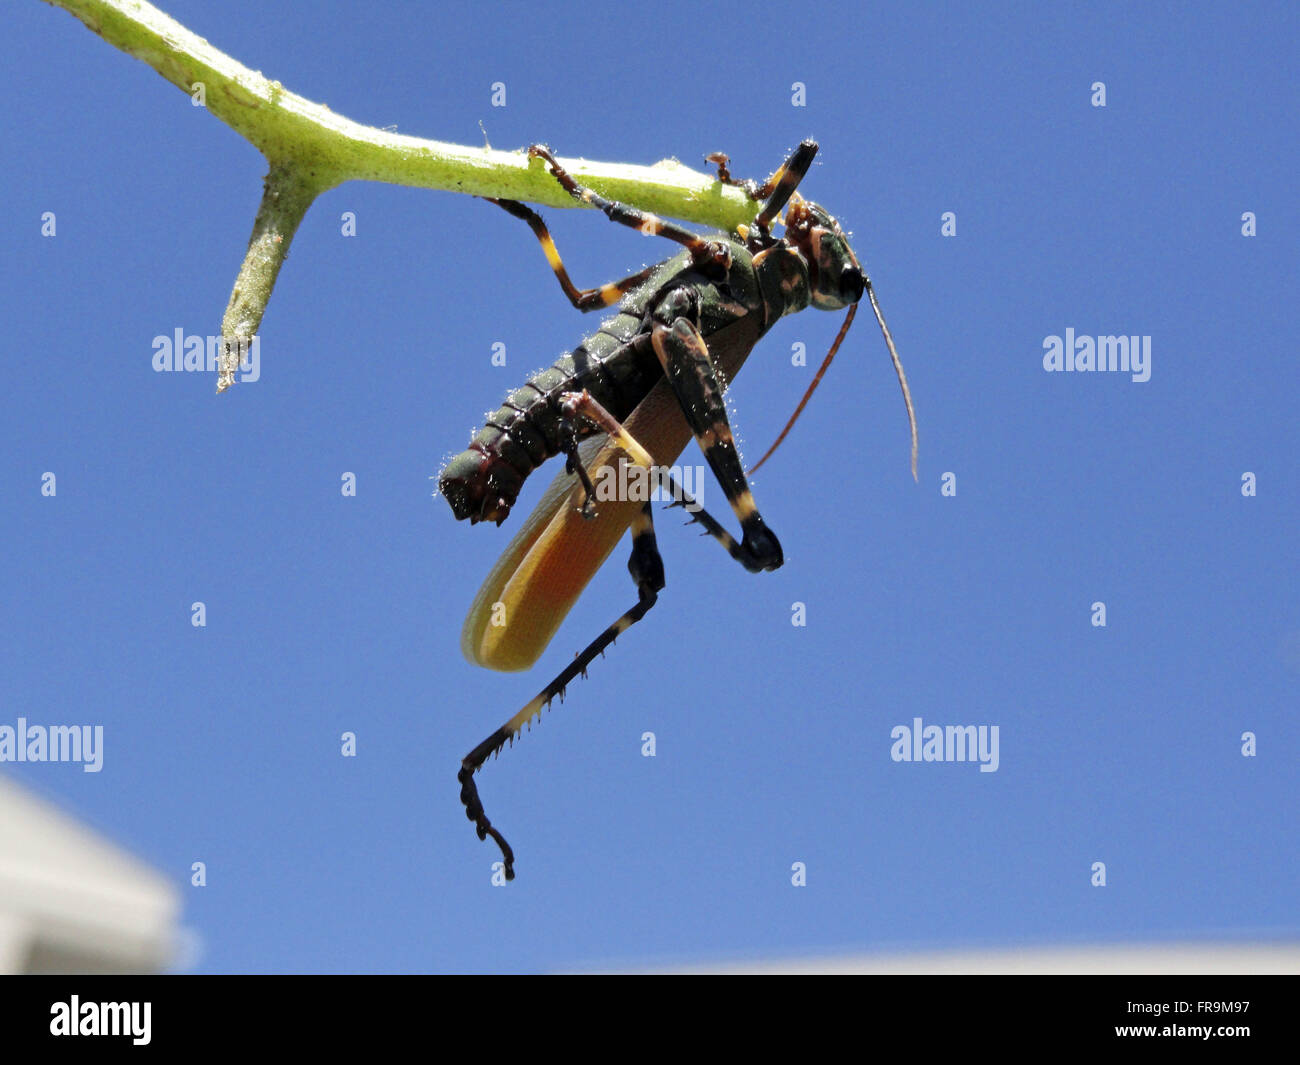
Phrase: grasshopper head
[834,276]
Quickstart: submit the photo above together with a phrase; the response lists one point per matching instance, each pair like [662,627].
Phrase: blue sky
[327,614]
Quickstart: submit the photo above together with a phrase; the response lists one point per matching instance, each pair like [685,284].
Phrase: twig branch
[310,149]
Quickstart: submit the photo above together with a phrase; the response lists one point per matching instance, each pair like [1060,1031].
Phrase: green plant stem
[310,149]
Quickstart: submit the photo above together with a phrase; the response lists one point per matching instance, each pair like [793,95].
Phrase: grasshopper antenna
[821,370]
[898,369]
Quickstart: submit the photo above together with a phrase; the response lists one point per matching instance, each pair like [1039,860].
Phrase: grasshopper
[635,391]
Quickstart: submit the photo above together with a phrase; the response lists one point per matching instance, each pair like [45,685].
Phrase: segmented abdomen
[617,365]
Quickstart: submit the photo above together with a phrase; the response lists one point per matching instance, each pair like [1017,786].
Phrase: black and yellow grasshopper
[635,392]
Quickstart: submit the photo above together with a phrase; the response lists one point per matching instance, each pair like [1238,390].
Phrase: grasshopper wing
[556,552]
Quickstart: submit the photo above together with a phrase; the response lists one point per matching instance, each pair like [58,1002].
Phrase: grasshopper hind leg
[469,795]
[647,569]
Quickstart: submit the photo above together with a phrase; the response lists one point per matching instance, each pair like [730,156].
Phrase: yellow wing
[556,552]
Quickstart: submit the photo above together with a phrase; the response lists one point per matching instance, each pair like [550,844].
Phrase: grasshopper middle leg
[690,371]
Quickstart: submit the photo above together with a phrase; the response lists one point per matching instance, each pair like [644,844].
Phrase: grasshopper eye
[851,284]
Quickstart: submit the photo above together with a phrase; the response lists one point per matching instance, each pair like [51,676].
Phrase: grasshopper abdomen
[616,365]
